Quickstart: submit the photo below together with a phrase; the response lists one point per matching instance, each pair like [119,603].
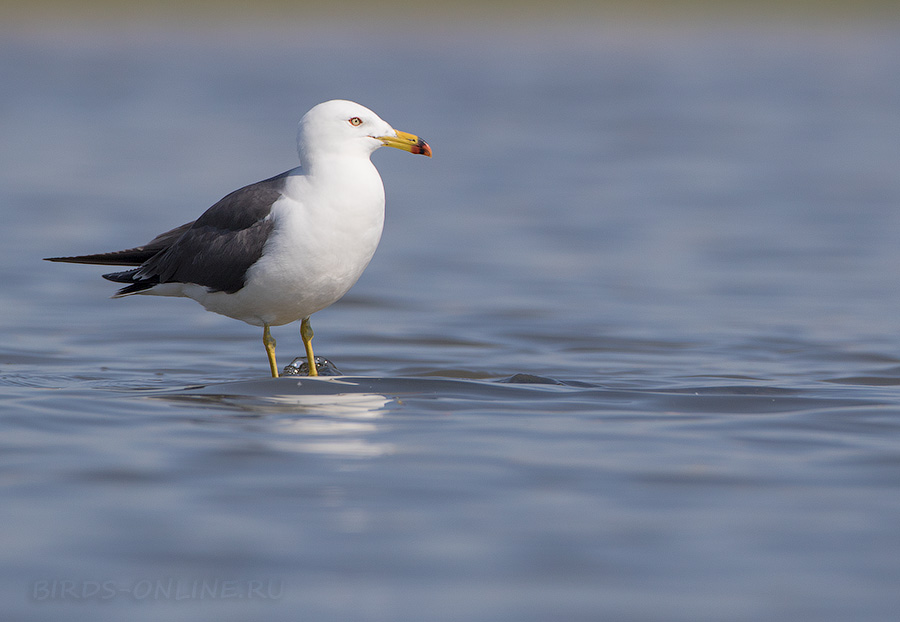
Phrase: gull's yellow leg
[306,334]
[269,342]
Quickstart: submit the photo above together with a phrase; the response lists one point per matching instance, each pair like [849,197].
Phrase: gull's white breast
[326,228]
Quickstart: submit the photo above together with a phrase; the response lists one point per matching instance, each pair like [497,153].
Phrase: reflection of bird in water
[279,250]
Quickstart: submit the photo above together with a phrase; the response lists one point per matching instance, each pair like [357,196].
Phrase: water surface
[629,349]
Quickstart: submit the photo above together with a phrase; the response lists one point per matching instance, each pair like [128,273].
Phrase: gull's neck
[318,163]
[342,180]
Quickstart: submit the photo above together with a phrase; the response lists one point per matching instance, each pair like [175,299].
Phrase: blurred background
[459,11]
[629,349]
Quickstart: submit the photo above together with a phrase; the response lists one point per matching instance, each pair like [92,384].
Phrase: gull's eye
[355,121]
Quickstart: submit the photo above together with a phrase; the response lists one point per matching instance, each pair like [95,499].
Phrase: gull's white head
[345,128]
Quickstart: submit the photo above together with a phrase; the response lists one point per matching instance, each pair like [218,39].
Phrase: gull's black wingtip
[129,257]
[102,259]
[94,259]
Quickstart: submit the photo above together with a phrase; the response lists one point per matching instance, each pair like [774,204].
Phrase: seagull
[279,250]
